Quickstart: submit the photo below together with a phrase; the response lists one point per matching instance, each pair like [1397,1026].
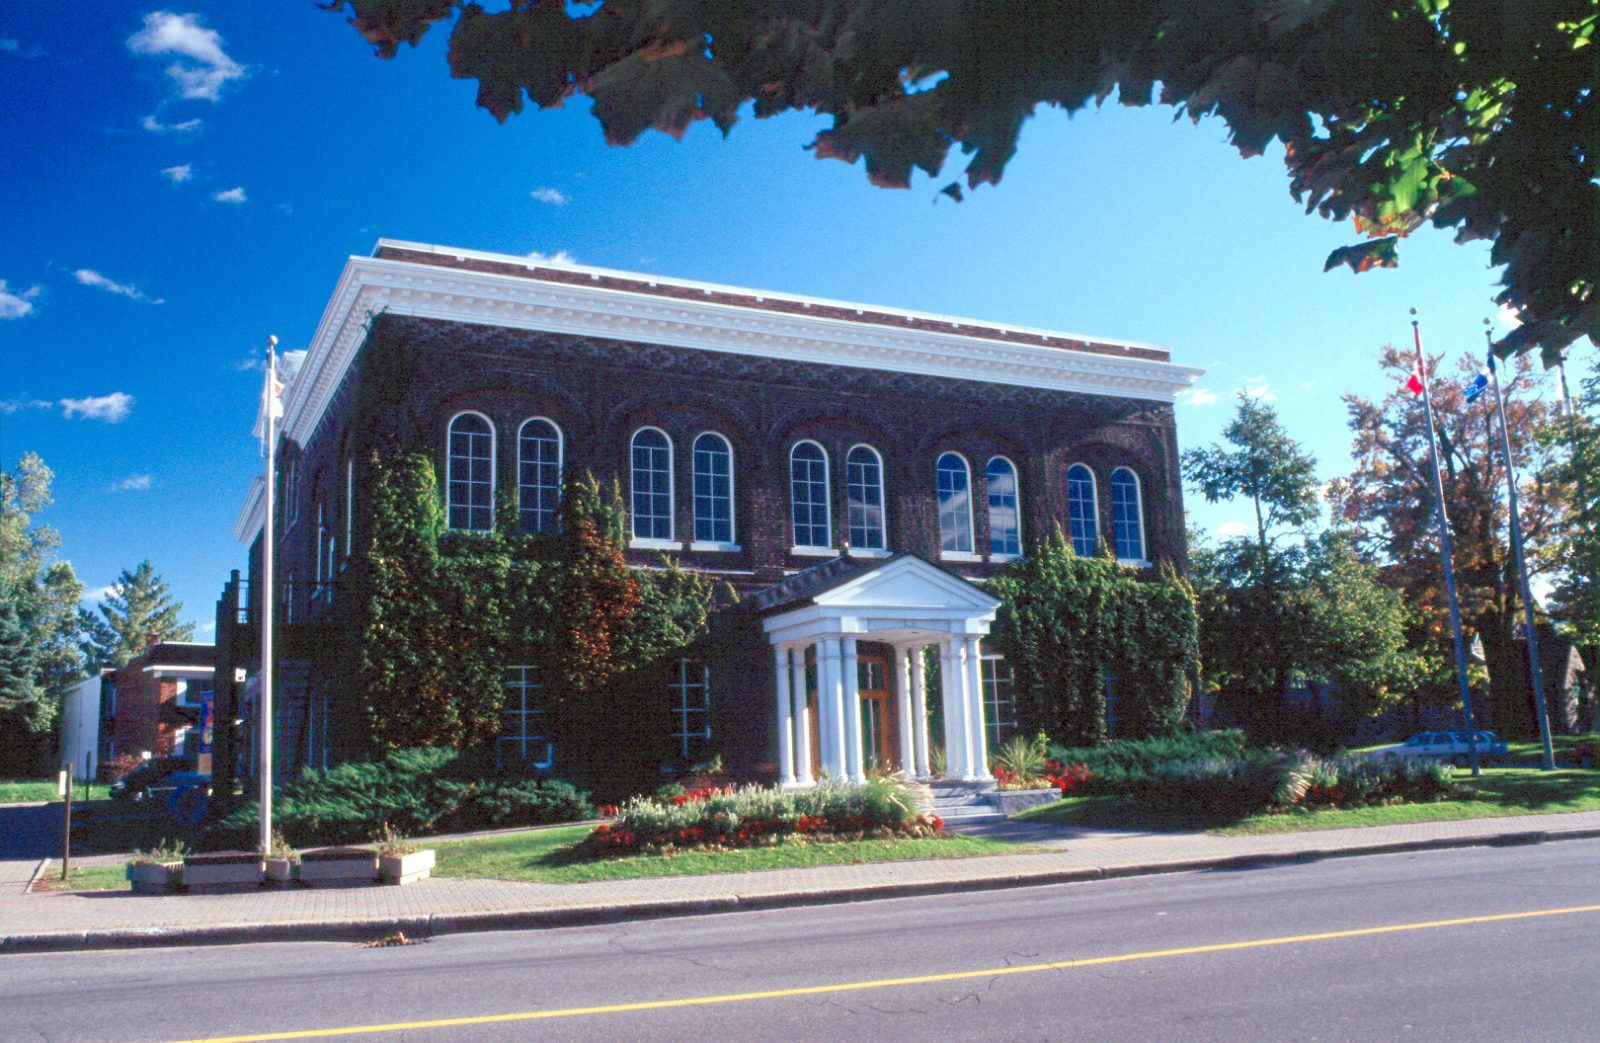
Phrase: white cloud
[1258,389]
[183,35]
[207,628]
[154,125]
[1228,530]
[232,195]
[552,196]
[559,257]
[134,483]
[90,277]
[178,174]
[16,305]
[98,594]
[1197,397]
[112,408]
[1508,317]
[17,405]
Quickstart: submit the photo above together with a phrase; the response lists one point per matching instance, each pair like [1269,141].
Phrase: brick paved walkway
[94,920]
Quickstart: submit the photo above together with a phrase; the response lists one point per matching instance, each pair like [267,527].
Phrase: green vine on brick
[1070,625]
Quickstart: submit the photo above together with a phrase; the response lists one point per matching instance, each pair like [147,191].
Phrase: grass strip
[548,856]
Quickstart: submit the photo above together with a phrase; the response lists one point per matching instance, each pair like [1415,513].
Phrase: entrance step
[964,803]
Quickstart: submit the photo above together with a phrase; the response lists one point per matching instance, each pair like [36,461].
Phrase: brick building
[855,473]
[151,706]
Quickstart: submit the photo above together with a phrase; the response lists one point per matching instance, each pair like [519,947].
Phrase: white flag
[271,401]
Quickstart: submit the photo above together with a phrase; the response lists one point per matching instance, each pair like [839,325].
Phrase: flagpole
[268,596]
[1548,762]
[1446,554]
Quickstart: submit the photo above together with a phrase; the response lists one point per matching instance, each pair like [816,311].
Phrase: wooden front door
[879,729]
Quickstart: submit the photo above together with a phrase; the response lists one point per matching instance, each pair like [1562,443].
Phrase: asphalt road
[30,831]
[1479,943]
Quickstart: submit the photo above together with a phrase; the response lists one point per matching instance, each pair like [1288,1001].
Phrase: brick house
[855,473]
[151,706]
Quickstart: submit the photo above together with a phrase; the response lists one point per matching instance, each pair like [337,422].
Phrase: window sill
[867,552]
[1134,563]
[1000,559]
[713,546]
[814,552]
[959,555]
[642,543]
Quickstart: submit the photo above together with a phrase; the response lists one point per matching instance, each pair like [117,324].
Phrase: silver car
[1450,746]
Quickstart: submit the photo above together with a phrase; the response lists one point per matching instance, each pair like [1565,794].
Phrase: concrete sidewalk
[91,920]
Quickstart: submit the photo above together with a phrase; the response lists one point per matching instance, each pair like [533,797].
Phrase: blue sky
[179,183]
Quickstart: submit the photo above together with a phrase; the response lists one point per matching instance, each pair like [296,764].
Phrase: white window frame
[1143,557]
[732,542]
[1016,507]
[958,552]
[652,542]
[814,549]
[989,674]
[349,504]
[523,487]
[882,544]
[523,679]
[681,686]
[449,475]
[291,496]
[1094,510]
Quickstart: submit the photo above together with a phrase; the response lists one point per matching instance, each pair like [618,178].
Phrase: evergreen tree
[20,694]
[138,613]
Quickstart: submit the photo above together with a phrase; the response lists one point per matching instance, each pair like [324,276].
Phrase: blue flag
[1480,383]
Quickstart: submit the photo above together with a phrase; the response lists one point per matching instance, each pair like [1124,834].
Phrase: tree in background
[1575,552]
[1253,614]
[1477,117]
[1389,499]
[38,621]
[137,613]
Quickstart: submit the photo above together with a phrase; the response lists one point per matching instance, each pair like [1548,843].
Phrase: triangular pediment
[906,582]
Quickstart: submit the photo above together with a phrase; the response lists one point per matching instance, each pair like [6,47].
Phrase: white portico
[901,602]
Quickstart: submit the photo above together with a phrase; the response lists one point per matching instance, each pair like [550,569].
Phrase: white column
[919,712]
[850,674]
[976,733]
[830,707]
[903,713]
[956,765]
[780,671]
[802,719]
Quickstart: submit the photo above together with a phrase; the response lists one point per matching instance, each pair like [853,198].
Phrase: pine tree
[20,694]
[139,612]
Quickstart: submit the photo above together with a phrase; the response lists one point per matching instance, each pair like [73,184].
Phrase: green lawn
[18,791]
[1499,791]
[92,878]
[546,856]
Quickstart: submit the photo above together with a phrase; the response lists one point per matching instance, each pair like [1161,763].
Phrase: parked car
[1451,746]
[152,778]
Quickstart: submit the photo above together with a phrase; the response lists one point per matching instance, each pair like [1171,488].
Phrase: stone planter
[405,869]
[222,871]
[282,872]
[325,866]
[1011,801]
[155,878]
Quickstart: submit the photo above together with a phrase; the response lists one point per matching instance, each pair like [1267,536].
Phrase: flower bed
[1054,775]
[762,816]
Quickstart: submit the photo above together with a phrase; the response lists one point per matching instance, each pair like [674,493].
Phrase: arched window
[1005,517]
[863,477]
[538,476]
[713,489]
[1127,515]
[469,474]
[652,485]
[955,504]
[1083,513]
[808,495]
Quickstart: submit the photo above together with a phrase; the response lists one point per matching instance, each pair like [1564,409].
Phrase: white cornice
[370,286]
[254,513]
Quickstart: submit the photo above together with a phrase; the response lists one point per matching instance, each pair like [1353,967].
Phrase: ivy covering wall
[436,617]
[1072,627]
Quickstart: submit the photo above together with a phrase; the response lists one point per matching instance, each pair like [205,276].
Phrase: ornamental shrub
[415,792]
[753,816]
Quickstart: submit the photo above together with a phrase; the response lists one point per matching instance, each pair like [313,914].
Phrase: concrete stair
[963,803]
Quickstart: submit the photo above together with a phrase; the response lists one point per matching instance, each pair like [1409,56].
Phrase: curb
[437,925]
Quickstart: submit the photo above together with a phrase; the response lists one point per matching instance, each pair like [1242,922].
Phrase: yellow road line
[885,983]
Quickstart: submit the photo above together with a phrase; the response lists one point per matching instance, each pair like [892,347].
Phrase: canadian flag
[1414,383]
[271,401]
